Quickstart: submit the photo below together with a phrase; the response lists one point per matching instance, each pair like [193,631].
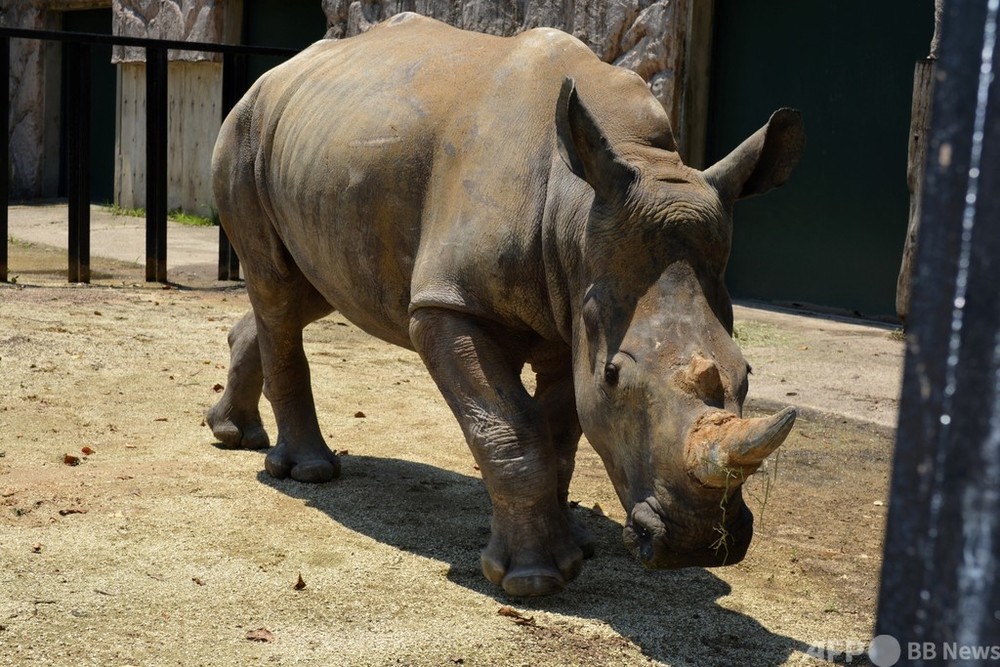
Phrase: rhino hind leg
[281,312]
[267,354]
[531,550]
[235,419]
[283,301]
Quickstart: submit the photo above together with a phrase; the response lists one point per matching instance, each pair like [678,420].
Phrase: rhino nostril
[645,534]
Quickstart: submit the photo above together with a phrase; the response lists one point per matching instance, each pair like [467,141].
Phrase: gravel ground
[157,548]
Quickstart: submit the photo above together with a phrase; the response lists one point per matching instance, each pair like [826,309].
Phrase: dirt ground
[158,548]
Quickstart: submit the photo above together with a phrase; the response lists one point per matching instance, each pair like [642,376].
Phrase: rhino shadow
[672,616]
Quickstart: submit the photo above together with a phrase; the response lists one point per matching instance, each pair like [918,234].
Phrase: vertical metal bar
[941,571]
[233,83]
[5,153]
[156,164]
[71,54]
[78,157]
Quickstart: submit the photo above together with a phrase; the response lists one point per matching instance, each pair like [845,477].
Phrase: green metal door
[293,24]
[833,237]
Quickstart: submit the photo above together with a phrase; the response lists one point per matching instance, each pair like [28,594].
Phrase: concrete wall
[194,114]
[194,98]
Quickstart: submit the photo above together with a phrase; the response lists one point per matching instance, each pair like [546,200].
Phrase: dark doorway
[104,81]
[834,236]
[293,24]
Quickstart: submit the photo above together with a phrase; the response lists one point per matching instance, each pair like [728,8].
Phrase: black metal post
[5,153]
[940,596]
[78,182]
[156,164]
[234,73]
[78,157]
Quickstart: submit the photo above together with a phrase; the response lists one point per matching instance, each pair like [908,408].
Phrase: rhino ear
[585,148]
[762,162]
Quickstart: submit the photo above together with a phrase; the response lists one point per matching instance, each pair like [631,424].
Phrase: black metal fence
[77,124]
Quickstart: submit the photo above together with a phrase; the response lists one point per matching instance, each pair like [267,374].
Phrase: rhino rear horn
[723,449]
[763,161]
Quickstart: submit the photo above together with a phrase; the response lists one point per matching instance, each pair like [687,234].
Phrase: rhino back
[410,167]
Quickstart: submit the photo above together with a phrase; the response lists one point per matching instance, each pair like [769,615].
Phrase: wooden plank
[195,95]
[194,118]
[920,126]
[130,170]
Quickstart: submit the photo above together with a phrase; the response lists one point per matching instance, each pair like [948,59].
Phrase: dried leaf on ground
[516,616]
[260,635]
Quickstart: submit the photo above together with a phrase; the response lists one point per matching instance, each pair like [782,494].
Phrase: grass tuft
[193,220]
[115,209]
[177,215]
[757,488]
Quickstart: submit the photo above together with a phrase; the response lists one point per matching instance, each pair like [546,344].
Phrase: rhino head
[659,381]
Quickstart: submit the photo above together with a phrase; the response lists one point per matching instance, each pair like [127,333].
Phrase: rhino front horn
[723,449]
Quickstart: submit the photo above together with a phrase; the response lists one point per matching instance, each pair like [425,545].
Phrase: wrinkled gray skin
[491,202]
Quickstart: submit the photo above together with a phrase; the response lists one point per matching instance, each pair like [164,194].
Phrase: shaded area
[672,616]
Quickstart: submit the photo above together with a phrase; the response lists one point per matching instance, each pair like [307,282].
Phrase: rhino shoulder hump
[404,17]
[555,42]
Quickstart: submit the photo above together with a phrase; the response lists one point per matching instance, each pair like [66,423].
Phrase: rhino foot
[235,433]
[314,464]
[543,567]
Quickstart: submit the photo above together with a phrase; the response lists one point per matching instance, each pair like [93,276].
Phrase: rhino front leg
[531,549]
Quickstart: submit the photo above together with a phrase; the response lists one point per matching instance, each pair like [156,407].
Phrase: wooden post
[920,125]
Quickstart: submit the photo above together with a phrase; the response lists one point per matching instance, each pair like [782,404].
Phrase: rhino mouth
[659,545]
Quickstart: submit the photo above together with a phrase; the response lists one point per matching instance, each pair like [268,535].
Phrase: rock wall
[27,101]
[647,36]
[182,20]
[33,169]
[194,95]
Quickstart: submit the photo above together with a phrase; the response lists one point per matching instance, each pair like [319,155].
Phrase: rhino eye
[611,375]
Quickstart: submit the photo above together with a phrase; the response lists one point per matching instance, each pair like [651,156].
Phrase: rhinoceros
[489,203]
